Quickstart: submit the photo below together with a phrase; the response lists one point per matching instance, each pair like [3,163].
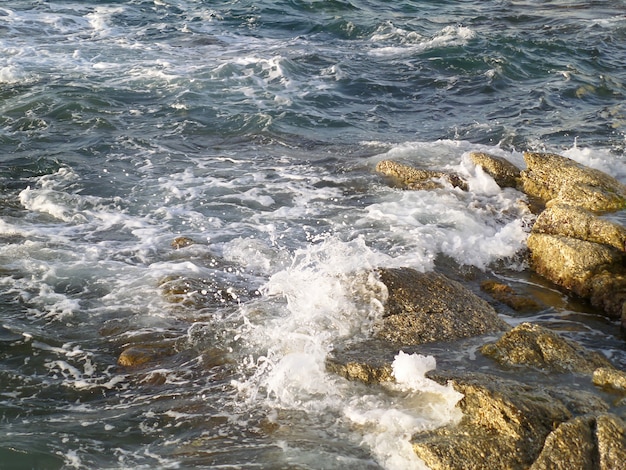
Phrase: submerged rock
[533,345]
[197,293]
[505,174]
[506,294]
[181,242]
[429,307]
[554,177]
[408,177]
[138,355]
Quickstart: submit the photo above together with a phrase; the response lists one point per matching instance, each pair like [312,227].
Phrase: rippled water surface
[252,129]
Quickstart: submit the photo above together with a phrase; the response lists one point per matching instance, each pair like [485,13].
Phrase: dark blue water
[253,128]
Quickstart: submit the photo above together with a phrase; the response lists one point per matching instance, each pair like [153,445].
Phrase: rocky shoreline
[573,417]
[533,399]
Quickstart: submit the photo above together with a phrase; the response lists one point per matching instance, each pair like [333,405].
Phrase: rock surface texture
[429,307]
[555,178]
[408,177]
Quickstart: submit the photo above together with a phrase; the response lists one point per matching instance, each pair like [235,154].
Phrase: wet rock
[610,378]
[196,293]
[554,177]
[506,294]
[505,174]
[181,242]
[611,438]
[590,270]
[585,442]
[408,177]
[362,371]
[504,425]
[429,307]
[533,345]
[137,355]
[571,445]
[575,222]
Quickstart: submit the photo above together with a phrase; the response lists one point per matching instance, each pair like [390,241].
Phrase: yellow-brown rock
[611,437]
[134,356]
[505,174]
[181,242]
[550,176]
[429,307]
[504,425]
[610,378]
[579,223]
[533,345]
[570,446]
[408,177]
[590,270]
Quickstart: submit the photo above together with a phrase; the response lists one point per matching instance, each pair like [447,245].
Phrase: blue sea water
[253,129]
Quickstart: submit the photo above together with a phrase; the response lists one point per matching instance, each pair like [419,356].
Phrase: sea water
[253,129]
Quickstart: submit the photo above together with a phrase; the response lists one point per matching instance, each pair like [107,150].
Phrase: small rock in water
[506,294]
[181,242]
[408,177]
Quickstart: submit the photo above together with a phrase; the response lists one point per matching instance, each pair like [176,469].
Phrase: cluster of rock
[572,415]
[571,244]
[511,419]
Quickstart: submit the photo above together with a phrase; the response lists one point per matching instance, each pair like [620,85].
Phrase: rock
[611,437]
[608,292]
[571,445]
[504,425]
[533,345]
[549,176]
[429,307]
[197,293]
[505,294]
[361,371]
[408,177]
[610,378]
[181,242]
[589,197]
[505,174]
[590,270]
[585,442]
[575,222]
[137,355]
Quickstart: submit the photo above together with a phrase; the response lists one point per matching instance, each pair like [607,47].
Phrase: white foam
[330,298]
[475,227]
[600,159]
[389,423]
[410,42]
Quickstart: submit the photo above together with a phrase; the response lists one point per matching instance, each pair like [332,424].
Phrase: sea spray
[412,403]
[331,296]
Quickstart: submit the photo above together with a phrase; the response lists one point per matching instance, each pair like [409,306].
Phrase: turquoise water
[253,128]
